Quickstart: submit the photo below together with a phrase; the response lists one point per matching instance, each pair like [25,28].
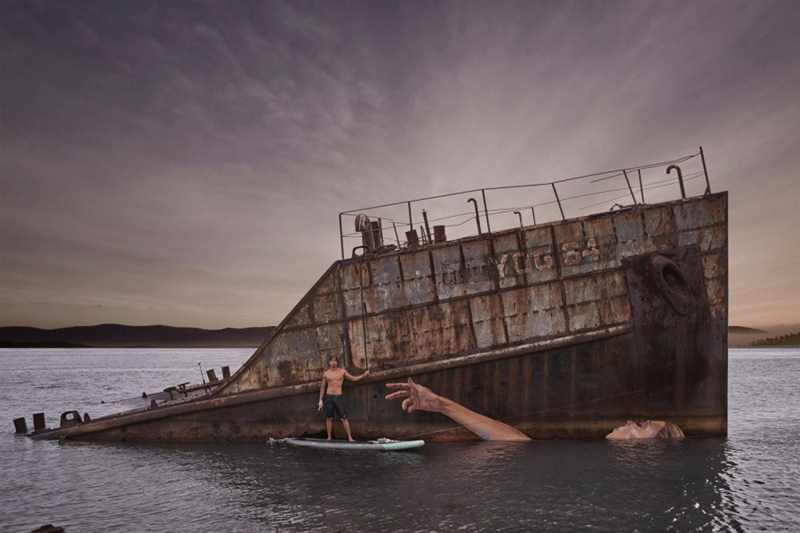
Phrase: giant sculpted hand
[416,397]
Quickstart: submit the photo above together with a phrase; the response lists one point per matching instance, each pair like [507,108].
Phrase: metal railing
[633,178]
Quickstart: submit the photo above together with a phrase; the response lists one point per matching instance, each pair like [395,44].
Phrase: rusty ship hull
[564,330]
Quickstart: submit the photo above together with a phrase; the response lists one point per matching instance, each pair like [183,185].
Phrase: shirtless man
[330,395]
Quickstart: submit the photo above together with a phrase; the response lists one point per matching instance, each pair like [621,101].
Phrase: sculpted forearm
[419,398]
[483,426]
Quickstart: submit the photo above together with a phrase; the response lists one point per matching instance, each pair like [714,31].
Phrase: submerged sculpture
[647,429]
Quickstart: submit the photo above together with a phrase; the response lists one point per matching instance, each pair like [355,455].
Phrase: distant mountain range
[121,336]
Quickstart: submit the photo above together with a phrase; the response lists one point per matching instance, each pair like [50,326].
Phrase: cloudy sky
[184,162]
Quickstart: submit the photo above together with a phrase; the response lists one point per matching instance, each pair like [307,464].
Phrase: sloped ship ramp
[564,329]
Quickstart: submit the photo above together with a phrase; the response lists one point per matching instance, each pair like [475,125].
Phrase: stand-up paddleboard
[380,445]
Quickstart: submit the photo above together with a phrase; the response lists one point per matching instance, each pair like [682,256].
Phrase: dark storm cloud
[184,162]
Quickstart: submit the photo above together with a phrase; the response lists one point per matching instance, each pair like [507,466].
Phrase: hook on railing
[521,225]
[680,178]
[477,214]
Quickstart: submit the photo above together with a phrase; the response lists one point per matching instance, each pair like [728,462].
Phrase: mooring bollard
[38,421]
[20,426]
[226,372]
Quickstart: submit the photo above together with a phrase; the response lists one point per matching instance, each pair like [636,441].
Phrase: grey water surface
[748,481]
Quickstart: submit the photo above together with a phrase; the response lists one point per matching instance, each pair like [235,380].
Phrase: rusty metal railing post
[410,218]
[625,173]
[341,235]
[477,214]
[521,225]
[533,214]
[558,201]
[680,178]
[486,211]
[641,185]
[705,171]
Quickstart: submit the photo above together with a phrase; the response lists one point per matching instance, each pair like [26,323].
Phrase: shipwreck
[563,328]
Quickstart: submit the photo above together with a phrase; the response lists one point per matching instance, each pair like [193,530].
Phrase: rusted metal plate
[487,320]
[597,300]
[463,269]
[478,266]
[534,312]
[583,316]
[301,317]
[539,261]
[384,292]
[331,341]
[510,262]
[326,285]
[629,228]
[707,239]
[355,279]
[448,265]
[699,213]
[614,311]
[600,235]
[412,335]
[418,284]
[594,288]
[326,308]
[293,357]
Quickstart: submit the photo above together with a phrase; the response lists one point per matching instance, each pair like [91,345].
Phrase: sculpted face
[648,429]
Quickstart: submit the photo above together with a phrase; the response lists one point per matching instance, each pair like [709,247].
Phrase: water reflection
[475,486]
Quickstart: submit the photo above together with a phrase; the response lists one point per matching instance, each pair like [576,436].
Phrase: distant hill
[745,337]
[120,336]
[743,329]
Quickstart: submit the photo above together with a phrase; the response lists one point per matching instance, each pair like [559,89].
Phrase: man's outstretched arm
[419,398]
[351,377]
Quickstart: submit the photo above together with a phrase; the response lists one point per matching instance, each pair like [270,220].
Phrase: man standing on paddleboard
[330,395]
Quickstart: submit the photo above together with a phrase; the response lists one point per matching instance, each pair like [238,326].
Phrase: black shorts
[334,407]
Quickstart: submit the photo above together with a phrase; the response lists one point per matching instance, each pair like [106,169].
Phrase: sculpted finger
[407,403]
[397,394]
[397,385]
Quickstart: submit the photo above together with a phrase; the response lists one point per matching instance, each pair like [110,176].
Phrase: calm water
[748,481]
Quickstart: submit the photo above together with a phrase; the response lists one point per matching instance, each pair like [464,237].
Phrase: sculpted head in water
[647,429]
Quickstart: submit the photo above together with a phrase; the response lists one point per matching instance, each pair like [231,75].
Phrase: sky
[184,162]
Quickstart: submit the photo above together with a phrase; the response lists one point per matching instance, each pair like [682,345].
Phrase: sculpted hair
[670,431]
